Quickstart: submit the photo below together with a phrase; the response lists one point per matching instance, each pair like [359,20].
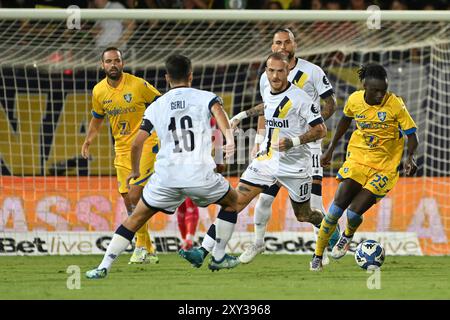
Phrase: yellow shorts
[122,163]
[376,181]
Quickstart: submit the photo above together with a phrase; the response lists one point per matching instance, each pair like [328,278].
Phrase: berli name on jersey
[181,118]
[288,114]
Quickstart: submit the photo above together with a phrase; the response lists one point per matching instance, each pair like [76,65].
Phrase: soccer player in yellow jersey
[123,98]
[374,153]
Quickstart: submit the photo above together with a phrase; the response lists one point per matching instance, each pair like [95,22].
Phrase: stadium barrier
[82,242]
[49,208]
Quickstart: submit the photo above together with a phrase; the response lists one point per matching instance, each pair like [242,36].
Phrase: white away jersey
[181,119]
[308,77]
[288,114]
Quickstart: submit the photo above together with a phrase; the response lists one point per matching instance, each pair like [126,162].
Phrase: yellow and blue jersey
[124,106]
[378,140]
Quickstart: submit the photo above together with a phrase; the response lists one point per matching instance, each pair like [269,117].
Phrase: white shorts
[258,175]
[317,170]
[168,199]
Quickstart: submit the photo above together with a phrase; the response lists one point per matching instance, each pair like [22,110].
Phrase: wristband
[240,116]
[259,138]
[296,141]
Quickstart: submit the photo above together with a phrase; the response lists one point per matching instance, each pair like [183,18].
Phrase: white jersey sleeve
[148,118]
[321,83]
[310,111]
[213,101]
[263,84]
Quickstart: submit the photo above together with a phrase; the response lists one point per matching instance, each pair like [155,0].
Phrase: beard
[291,55]
[115,76]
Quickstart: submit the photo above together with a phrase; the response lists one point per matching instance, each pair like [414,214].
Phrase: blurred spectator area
[241,4]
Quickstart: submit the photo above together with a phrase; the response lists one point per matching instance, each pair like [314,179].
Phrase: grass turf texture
[267,277]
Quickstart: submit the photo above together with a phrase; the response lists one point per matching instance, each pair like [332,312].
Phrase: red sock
[181,218]
[191,217]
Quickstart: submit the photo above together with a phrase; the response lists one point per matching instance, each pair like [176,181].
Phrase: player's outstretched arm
[136,152]
[224,126]
[316,132]
[255,111]
[410,164]
[341,129]
[329,107]
[94,128]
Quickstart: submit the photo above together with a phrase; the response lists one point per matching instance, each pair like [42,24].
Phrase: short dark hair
[278,56]
[178,67]
[287,30]
[112,49]
[372,70]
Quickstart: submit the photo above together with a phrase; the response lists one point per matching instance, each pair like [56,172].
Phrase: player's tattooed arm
[329,107]
[255,111]
[316,132]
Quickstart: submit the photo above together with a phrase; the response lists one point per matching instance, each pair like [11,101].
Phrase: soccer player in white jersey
[310,78]
[292,120]
[184,164]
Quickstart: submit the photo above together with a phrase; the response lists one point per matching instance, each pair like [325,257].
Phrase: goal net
[51,61]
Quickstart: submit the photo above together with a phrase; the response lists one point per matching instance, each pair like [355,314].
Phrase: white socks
[263,210]
[117,245]
[224,231]
[316,202]
[208,241]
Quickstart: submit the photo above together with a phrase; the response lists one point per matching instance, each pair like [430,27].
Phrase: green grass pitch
[267,277]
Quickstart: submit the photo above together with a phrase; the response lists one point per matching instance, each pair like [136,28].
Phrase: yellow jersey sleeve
[97,110]
[348,110]
[405,120]
[149,92]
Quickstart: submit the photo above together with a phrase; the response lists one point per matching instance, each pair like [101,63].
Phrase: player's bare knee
[126,201]
[134,194]
[134,198]
[358,208]
[343,204]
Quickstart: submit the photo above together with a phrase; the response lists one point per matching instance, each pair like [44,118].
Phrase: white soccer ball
[369,255]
